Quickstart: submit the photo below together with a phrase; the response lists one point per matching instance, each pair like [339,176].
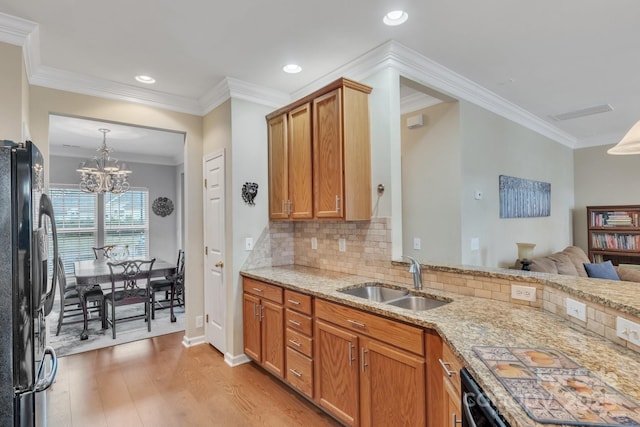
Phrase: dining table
[91,273]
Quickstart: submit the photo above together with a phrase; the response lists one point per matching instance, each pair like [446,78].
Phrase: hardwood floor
[158,382]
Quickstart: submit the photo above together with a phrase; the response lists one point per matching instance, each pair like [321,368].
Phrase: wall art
[524,198]
[162,206]
[249,192]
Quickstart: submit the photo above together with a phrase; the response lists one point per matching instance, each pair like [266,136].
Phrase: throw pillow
[602,270]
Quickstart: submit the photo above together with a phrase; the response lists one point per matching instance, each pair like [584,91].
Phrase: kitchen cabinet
[290,163]
[263,325]
[443,384]
[299,341]
[320,155]
[369,370]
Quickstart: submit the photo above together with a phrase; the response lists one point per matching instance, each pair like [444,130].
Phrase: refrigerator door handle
[46,208]
[44,383]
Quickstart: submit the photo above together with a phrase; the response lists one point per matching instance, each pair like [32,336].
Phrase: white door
[214,288]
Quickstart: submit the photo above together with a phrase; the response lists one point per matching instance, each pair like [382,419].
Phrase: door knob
[219,264]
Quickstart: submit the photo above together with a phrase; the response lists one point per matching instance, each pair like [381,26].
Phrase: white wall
[159,180]
[491,146]
[602,179]
[431,185]
[11,107]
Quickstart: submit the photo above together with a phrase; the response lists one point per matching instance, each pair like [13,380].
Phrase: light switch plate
[628,330]
[248,244]
[314,243]
[417,243]
[576,309]
[342,244]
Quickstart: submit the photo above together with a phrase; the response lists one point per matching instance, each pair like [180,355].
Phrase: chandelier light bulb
[107,176]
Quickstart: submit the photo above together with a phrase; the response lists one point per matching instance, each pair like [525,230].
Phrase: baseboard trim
[238,360]
[190,342]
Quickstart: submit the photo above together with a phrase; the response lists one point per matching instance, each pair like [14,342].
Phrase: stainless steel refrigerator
[27,365]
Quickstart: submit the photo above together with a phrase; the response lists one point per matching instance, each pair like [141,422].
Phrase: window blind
[126,221]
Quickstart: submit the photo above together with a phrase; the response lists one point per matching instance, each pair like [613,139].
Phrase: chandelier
[102,174]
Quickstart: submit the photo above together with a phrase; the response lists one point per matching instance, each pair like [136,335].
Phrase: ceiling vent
[598,109]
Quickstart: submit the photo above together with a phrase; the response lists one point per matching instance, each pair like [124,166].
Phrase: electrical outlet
[576,309]
[199,322]
[628,330]
[475,244]
[248,244]
[314,243]
[524,293]
[417,243]
[342,244]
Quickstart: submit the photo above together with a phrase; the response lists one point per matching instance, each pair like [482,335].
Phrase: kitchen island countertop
[467,321]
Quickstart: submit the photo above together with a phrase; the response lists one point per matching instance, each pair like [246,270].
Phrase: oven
[477,409]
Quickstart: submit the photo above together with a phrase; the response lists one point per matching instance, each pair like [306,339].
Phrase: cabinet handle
[364,357]
[351,358]
[261,316]
[293,302]
[337,203]
[282,207]
[445,366]
[358,324]
[257,290]
[295,322]
[455,421]
[296,343]
[288,207]
[296,373]
[255,313]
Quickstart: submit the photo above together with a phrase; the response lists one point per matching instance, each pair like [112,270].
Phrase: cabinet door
[300,163]
[251,328]
[328,155]
[436,408]
[336,372]
[392,390]
[278,168]
[272,337]
[453,404]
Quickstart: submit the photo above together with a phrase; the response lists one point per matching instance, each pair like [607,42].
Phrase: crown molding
[238,89]
[14,30]
[390,54]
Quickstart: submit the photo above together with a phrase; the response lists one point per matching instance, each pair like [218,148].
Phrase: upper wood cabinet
[320,155]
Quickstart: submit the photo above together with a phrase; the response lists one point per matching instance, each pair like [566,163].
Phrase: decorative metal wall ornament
[162,206]
[249,192]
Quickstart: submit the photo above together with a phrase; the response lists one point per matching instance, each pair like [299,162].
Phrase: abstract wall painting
[524,198]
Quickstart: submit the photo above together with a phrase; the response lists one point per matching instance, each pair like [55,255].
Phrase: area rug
[68,342]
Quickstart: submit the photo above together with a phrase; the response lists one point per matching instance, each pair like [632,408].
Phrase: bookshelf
[614,233]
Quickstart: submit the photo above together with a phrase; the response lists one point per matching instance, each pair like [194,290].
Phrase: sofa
[570,261]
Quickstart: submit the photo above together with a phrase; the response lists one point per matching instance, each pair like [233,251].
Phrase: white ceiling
[545,57]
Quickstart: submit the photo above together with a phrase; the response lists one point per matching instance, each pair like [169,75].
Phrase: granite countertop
[469,321]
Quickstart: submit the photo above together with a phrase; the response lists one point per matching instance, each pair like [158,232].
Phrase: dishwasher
[477,409]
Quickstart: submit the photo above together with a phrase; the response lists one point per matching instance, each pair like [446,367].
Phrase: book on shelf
[614,219]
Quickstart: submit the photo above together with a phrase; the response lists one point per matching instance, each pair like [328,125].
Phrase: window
[126,221]
[75,216]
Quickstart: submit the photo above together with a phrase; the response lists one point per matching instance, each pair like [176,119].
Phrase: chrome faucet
[416,270]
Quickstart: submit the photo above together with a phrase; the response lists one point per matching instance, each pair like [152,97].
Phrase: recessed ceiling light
[395,17]
[292,68]
[145,79]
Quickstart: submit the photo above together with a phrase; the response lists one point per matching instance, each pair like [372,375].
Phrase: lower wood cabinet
[364,381]
[443,385]
[263,331]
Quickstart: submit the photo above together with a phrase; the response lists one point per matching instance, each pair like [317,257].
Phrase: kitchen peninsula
[467,321]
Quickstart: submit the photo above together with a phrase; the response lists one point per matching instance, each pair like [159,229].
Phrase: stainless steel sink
[415,302]
[375,292]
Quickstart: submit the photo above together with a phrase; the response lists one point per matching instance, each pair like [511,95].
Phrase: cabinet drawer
[300,372]
[263,290]
[299,341]
[298,322]
[404,336]
[452,363]
[297,301]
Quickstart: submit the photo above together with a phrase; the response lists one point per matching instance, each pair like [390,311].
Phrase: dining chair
[78,300]
[172,286]
[118,252]
[133,279]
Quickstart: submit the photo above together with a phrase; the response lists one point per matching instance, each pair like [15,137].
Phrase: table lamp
[525,254]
